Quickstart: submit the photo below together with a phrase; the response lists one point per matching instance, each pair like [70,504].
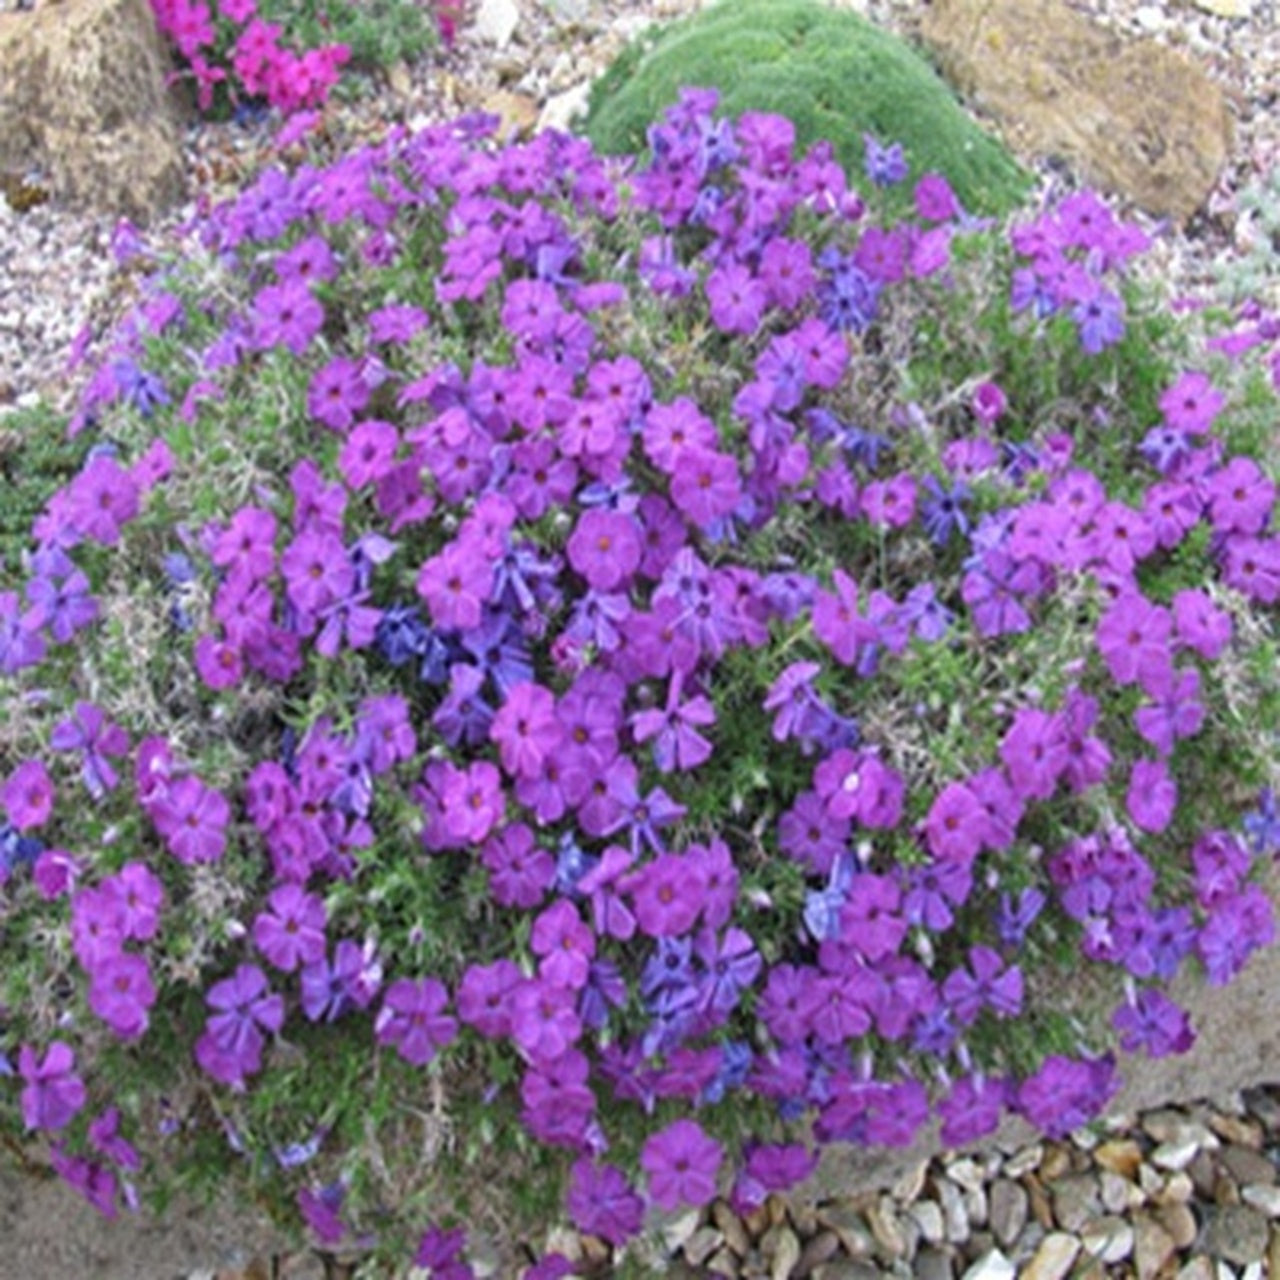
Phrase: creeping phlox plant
[612,681]
[234,50]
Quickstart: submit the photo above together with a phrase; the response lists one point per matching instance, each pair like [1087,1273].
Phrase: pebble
[1264,1198]
[1153,1246]
[1180,1223]
[1008,1209]
[1109,1239]
[1236,1233]
[496,21]
[929,1221]
[993,1265]
[1075,1200]
[1120,1156]
[1053,1259]
[954,1216]
[1248,1166]
[886,1229]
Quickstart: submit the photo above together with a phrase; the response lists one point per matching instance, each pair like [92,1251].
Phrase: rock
[562,109]
[1075,1200]
[848,1269]
[702,1244]
[966,1174]
[1198,1269]
[1137,117]
[676,1232]
[1119,1195]
[817,1250]
[908,1188]
[1241,1131]
[886,1228]
[929,1221]
[954,1216]
[933,1264]
[1174,1156]
[1153,1246]
[1053,1259]
[1180,1223]
[723,1262]
[1235,1233]
[1226,8]
[1266,1199]
[1007,1208]
[1247,1166]
[82,96]
[993,1265]
[850,1227]
[496,21]
[735,1235]
[1120,1156]
[1109,1239]
[1023,1161]
[781,1246]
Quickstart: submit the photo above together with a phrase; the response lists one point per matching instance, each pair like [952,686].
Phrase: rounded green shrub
[833,74]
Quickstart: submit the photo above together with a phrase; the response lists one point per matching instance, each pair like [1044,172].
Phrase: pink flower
[1153,795]
[192,818]
[682,1164]
[935,201]
[1191,404]
[456,584]
[989,403]
[412,1018]
[291,931]
[1133,638]
[705,486]
[28,795]
[956,826]
[121,993]
[564,944]
[53,1094]
[737,299]
[667,894]
[606,548]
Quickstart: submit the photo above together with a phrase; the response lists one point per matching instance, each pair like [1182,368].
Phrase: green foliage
[833,74]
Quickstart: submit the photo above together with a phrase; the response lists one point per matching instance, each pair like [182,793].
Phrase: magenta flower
[412,1018]
[705,486]
[53,1093]
[1149,1021]
[484,997]
[121,993]
[956,825]
[989,403]
[602,1203]
[972,1109]
[667,895]
[1034,752]
[1152,796]
[1179,714]
[456,584]
[737,299]
[520,870]
[192,818]
[605,548]
[28,795]
[1066,1093]
[544,1023]
[564,944]
[230,1047]
[1200,624]
[837,623]
[291,932]
[682,1164]
[1133,638]
[337,393]
[1191,404]
[526,729]
[97,739]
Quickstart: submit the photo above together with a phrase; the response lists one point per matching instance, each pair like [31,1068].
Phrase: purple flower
[602,1202]
[972,1109]
[88,731]
[412,1018]
[230,1047]
[439,1254]
[681,1163]
[987,983]
[667,895]
[121,992]
[192,818]
[1239,925]
[564,944]
[885,166]
[27,795]
[1152,796]
[1066,1093]
[291,931]
[53,1093]
[1150,1021]
[526,729]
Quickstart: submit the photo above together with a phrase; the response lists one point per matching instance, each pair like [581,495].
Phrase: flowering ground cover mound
[832,73]
[561,686]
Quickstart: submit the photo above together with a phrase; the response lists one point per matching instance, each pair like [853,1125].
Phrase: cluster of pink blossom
[542,604]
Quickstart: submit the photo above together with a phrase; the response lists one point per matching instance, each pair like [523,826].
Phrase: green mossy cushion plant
[834,75]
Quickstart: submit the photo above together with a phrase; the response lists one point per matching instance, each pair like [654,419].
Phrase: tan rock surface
[1136,117]
[82,96]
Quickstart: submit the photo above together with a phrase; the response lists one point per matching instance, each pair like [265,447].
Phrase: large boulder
[1135,117]
[83,97]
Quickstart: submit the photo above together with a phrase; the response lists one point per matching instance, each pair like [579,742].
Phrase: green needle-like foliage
[833,74]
